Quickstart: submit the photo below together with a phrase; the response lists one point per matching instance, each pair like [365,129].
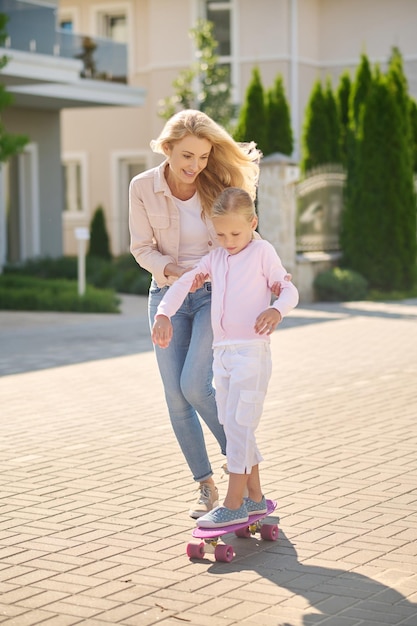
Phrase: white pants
[241,376]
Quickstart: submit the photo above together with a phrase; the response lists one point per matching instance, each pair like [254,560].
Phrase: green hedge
[340,285]
[122,273]
[26,293]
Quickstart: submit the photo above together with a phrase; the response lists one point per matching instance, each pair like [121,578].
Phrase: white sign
[82,233]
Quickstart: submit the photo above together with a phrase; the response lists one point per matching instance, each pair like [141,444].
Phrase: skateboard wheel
[223,553]
[195,550]
[243,532]
[269,532]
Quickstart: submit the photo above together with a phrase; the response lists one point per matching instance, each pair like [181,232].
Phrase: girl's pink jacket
[241,290]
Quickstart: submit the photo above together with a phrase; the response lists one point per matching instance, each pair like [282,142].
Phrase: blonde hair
[230,164]
[234,200]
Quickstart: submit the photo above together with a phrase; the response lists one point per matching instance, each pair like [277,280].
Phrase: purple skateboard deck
[213,533]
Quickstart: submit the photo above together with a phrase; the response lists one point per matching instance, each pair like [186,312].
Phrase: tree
[380,225]
[279,135]
[359,93]
[413,122]
[321,133]
[99,240]
[206,84]
[360,89]
[315,132]
[405,209]
[343,98]
[9,144]
[251,124]
[333,125]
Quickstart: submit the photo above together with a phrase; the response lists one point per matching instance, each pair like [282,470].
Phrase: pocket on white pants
[249,409]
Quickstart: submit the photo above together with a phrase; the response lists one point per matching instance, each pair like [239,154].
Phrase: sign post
[82,235]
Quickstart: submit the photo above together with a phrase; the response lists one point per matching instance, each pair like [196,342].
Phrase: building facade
[102,147]
[46,73]
[300,39]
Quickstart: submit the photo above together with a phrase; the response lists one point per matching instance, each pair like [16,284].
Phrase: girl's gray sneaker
[222,516]
[256,508]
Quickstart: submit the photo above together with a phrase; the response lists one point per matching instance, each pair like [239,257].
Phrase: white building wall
[300,39]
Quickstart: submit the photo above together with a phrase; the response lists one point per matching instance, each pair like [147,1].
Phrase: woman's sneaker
[208,499]
[256,508]
[222,516]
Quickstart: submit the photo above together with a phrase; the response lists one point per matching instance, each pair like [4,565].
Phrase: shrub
[251,123]
[99,245]
[279,132]
[25,293]
[122,273]
[378,235]
[46,267]
[340,285]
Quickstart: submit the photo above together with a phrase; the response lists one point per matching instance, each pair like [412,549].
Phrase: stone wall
[277,210]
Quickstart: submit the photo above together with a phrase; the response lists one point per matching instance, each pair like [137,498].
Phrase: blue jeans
[186,369]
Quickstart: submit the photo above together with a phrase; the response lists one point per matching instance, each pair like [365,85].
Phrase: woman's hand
[267,321]
[176,270]
[162,331]
[277,288]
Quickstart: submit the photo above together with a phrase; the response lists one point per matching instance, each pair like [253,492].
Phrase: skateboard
[224,552]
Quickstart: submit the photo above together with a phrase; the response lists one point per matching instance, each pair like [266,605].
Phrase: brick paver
[94,492]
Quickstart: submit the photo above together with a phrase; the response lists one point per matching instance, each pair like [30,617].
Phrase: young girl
[242,272]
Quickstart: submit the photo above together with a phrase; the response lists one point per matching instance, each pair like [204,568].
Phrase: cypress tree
[359,93]
[333,130]
[360,88]
[413,122]
[99,240]
[251,124]
[279,136]
[405,199]
[315,148]
[382,241]
[342,98]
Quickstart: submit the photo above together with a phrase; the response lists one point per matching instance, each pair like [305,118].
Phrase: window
[66,25]
[113,23]
[68,19]
[219,14]
[74,184]
[115,27]
[126,167]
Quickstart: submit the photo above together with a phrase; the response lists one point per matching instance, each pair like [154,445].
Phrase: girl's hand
[162,331]
[267,321]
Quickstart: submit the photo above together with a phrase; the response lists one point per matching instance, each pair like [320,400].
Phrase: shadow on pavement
[336,595]
[35,341]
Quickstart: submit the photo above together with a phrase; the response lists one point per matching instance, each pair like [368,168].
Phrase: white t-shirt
[194,235]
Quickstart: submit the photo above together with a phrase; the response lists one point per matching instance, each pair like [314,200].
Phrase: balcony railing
[32,28]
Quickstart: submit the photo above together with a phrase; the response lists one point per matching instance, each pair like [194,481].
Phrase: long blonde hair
[230,164]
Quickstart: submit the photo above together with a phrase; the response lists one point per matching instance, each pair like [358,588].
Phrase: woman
[170,228]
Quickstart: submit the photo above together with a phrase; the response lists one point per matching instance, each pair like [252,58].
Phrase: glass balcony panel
[32,28]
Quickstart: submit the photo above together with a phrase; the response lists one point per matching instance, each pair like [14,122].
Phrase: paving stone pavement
[94,492]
